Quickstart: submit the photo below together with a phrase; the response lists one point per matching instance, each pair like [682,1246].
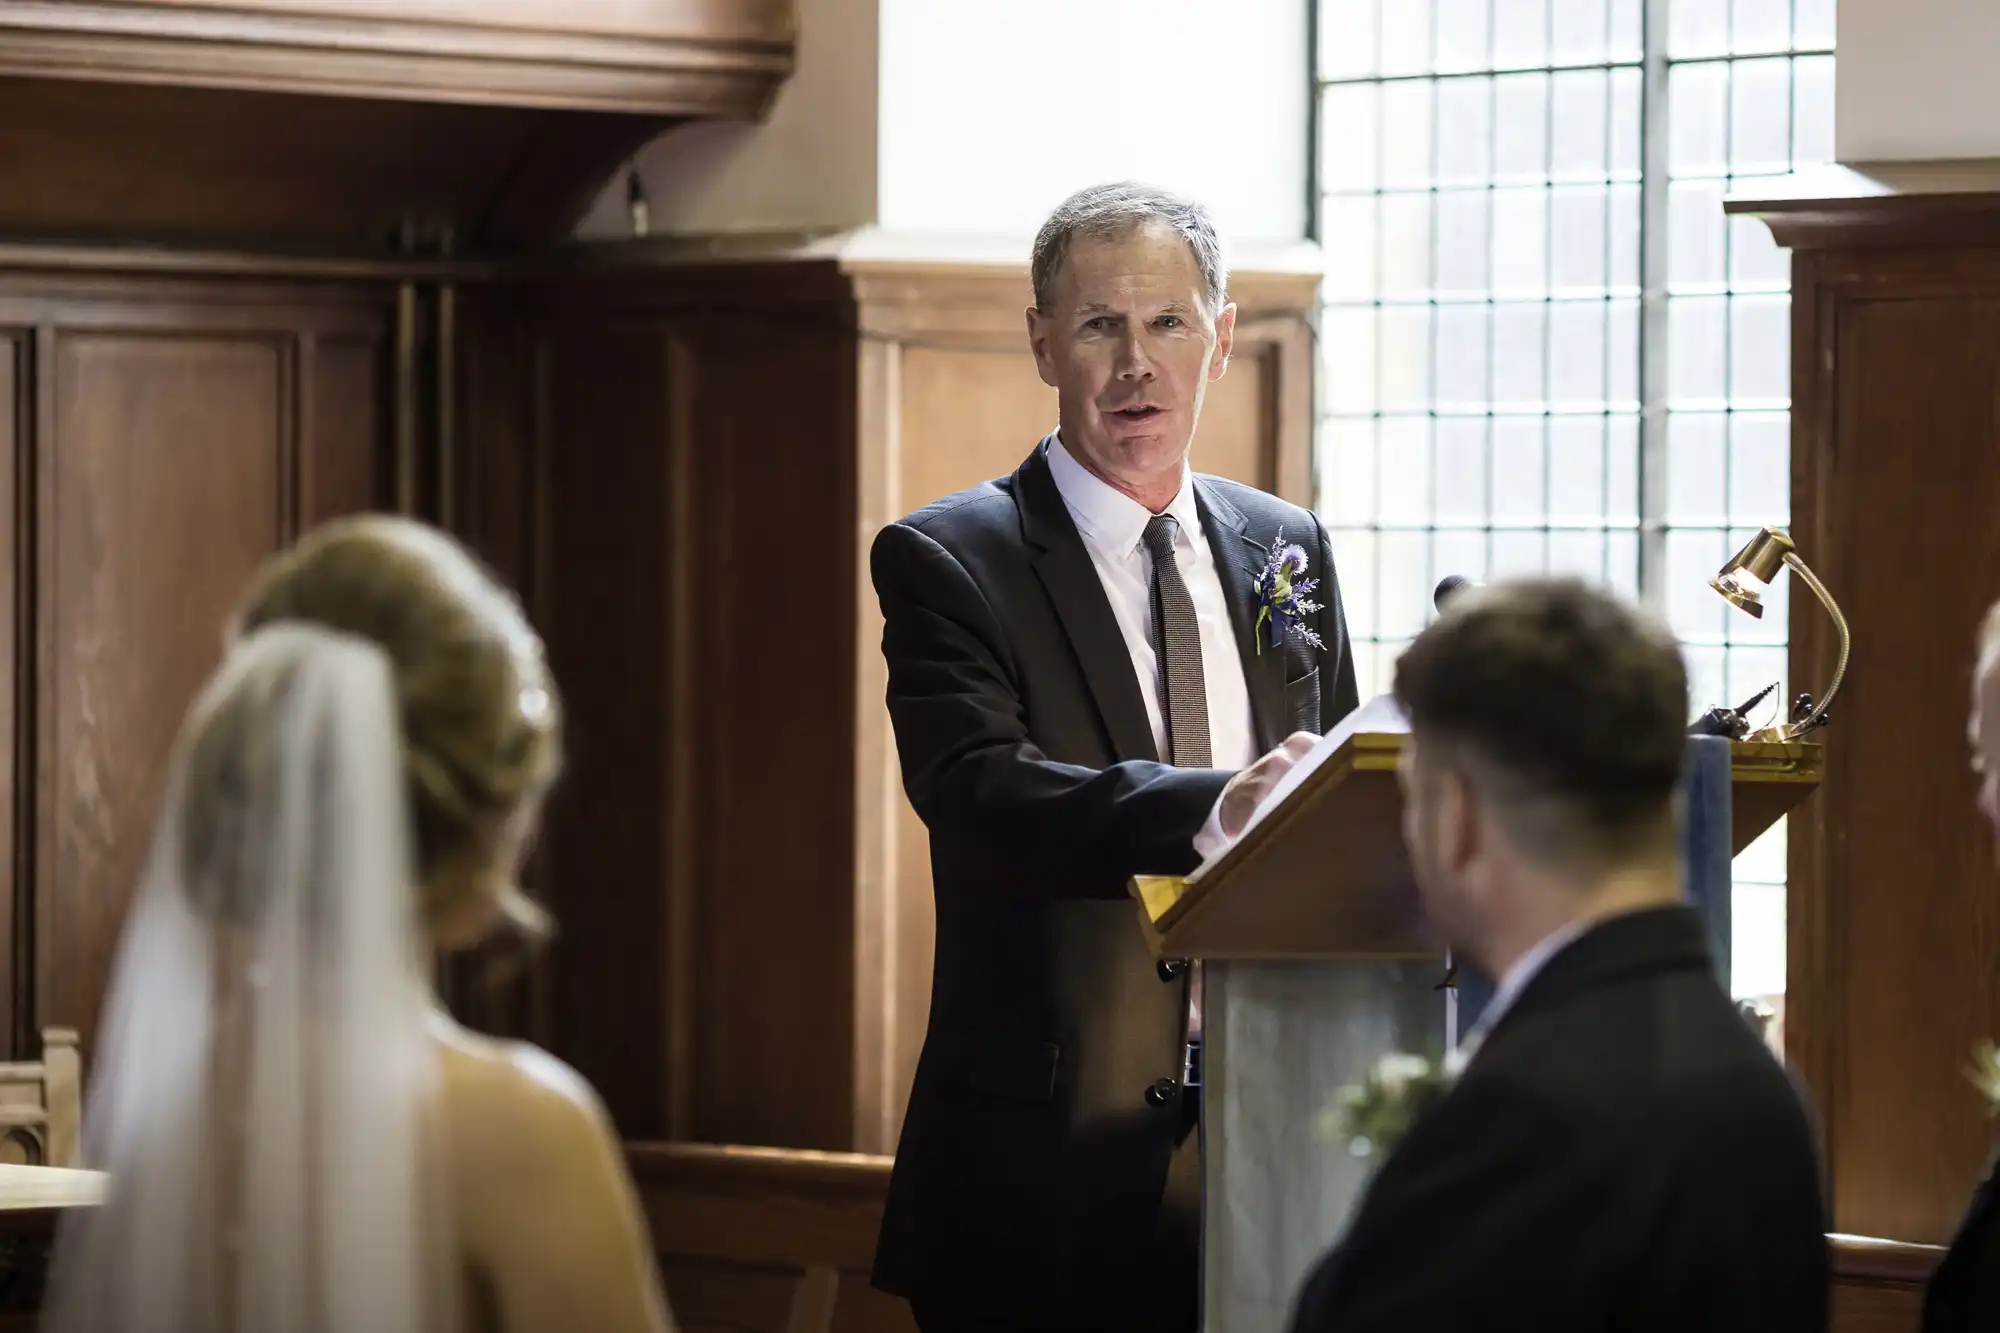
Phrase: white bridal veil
[263,1094]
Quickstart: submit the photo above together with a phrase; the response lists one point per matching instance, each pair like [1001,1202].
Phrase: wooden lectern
[1318,961]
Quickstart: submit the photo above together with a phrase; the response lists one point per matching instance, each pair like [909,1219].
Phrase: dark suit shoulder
[1263,508]
[1664,1033]
[1659,1062]
[975,507]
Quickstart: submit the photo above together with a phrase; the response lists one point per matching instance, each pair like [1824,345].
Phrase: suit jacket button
[1170,969]
[1162,1092]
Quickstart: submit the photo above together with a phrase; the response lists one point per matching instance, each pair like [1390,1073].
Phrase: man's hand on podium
[1246,791]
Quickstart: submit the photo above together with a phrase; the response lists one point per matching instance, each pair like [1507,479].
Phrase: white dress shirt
[1112,525]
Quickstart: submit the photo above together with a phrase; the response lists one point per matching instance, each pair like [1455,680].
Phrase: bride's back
[297,1138]
[548,1227]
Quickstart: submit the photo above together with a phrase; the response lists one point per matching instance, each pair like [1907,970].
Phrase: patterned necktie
[1178,636]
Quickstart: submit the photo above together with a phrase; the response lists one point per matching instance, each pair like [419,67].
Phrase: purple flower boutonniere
[1282,605]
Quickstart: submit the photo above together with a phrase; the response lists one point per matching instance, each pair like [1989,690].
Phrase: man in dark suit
[1077,665]
[1620,1151]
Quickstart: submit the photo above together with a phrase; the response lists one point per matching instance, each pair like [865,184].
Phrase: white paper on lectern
[1380,714]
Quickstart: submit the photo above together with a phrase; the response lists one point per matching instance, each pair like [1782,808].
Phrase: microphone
[1733,723]
[1450,586]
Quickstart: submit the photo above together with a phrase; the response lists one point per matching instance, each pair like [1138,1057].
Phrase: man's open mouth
[1138,412]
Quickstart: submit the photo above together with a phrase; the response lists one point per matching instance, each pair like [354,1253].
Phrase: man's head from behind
[1548,728]
[1131,322]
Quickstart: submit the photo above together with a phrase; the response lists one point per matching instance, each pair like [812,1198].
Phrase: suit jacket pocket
[1302,702]
[999,1064]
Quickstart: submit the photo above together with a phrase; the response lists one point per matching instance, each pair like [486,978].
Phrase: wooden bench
[771,1240]
[767,1240]
[41,1104]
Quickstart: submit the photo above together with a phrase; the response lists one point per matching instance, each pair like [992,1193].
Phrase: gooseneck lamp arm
[1817,718]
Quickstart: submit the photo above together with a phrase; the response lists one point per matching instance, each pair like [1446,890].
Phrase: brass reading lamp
[1743,582]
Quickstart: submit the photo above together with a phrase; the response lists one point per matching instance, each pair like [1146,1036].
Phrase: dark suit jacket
[1964,1292]
[1032,1161]
[1621,1153]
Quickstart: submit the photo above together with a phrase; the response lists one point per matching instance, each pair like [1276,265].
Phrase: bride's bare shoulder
[503,1096]
[549,1221]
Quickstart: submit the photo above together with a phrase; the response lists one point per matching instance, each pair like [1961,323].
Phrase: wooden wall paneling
[708,813]
[774,424]
[699,854]
[171,448]
[344,404]
[608,613]
[1289,342]
[1813,999]
[504,987]
[1894,901]
[1914,407]
[892,930]
[496,475]
[16,773]
[160,498]
[686,758]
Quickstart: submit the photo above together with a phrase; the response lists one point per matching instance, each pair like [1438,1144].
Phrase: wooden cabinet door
[173,437]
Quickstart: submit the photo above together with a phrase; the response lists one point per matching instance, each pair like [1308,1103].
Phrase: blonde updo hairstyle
[481,720]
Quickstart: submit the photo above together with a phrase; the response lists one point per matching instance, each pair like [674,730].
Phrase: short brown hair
[1570,703]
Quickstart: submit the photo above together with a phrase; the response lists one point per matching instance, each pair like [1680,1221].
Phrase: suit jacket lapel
[1239,558]
[1077,593]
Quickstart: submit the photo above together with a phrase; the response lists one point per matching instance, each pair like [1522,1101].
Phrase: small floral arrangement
[1372,1116]
[1282,605]
[1984,1071]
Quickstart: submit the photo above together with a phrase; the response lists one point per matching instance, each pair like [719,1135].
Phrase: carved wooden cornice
[732,73]
[1874,205]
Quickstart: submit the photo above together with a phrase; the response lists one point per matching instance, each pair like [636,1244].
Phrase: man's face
[1130,348]
[1983,730]
[1439,828]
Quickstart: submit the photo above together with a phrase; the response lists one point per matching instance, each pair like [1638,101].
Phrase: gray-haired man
[1077,685]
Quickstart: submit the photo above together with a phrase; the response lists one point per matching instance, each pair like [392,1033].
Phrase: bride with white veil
[298,1140]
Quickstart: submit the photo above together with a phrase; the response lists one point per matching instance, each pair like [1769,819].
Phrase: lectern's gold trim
[1347,878]
[1158,893]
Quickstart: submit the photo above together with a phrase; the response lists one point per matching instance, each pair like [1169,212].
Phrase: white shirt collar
[1108,518]
[1524,970]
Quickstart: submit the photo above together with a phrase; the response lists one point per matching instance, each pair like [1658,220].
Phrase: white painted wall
[810,166]
[993,110]
[1917,79]
[971,119]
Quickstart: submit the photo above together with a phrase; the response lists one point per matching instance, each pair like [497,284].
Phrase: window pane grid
[1493,290]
